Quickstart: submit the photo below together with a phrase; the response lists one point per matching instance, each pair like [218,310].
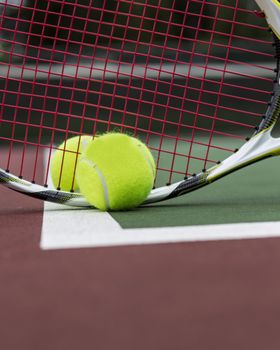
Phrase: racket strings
[191,79]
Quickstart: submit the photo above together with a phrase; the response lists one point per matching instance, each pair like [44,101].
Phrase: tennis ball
[63,163]
[116,172]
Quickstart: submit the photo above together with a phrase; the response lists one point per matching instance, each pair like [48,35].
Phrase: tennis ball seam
[64,161]
[144,154]
[84,144]
[102,180]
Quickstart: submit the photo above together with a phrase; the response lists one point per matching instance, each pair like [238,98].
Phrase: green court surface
[249,195]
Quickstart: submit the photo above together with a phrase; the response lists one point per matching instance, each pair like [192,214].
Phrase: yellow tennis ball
[64,160]
[116,172]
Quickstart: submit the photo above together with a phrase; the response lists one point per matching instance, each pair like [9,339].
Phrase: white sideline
[76,228]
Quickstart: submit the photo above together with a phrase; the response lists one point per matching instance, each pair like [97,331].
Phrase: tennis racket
[196,80]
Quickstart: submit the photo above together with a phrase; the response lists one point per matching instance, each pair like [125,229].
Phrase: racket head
[191,80]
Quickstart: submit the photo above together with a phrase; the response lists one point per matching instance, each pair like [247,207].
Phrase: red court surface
[218,295]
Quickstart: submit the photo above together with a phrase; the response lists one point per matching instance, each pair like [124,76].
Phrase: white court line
[76,228]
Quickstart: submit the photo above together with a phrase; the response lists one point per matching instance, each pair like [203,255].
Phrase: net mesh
[190,78]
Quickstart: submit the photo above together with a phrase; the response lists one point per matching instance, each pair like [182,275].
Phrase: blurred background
[57,21]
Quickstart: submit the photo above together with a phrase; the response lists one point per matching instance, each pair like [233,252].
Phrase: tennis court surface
[205,287]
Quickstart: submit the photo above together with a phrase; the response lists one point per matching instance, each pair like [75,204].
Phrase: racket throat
[259,147]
